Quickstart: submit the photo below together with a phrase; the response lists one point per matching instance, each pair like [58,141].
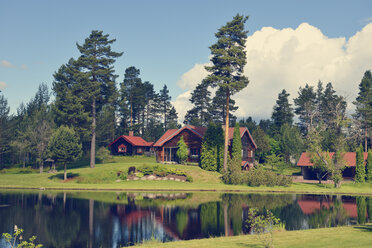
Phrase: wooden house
[166,147]
[130,145]
[349,172]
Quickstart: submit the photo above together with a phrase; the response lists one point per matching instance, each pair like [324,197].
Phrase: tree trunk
[365,140]
[91,221]
[65,173]
[225,218]
[131,115]
[93,142]
[226,131]
[41,166]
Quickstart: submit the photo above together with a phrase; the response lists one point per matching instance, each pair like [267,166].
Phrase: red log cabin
[166,146]
[349,172]
[130,145]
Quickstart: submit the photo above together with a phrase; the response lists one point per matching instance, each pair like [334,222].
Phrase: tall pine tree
[229,59]
[96,62]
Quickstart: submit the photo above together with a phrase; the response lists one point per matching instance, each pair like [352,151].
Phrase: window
[139,150]
[194,151]
[122,148]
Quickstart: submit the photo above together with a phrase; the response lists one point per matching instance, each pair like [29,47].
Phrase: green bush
[139,174]
[123,177]
[189,179]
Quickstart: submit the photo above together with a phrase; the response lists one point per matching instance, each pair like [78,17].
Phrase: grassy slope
[104,175]
[356,236]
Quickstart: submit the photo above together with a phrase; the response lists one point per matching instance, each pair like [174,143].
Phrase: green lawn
[104,176]
[352,236]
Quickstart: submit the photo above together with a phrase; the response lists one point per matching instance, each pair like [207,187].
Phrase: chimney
[131,133]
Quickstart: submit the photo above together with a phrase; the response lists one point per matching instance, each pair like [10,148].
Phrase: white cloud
[5,63]
[3,85]
[290,58]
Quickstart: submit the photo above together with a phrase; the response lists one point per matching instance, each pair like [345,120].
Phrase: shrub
[189,179]
[182,151]
[103,154]
[139,174]
[123,177]
[131,170]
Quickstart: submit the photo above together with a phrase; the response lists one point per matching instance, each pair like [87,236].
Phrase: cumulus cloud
[3,85]
[5,63]
[290,58]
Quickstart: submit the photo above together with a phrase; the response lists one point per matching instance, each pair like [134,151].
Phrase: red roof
[200,131]
[350,158]
[134,141]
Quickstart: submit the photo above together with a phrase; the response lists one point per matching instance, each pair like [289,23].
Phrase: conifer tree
[4,128]
[229,59]
[199,115]
[283,112]
[363,103]
[218,108]
[96,63]
[306,107]
[369,167]
[235,163]
[360,171]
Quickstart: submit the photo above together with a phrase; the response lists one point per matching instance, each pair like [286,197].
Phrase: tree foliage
[182,151]
[360,170]
[228,61]
[64,146]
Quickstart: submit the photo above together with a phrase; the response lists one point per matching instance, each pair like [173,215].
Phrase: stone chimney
[131,133]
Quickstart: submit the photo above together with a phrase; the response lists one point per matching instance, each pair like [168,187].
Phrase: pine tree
[363,103]
[369,167]
[218,108]
[306,107]
[4,128]
[229,59]
[360,170]
[199,115]
[167,110]
[64,147]
[283,112]
[96,62]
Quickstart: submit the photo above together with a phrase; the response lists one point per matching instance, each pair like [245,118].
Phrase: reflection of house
[166,146]
[130,145]
[349,172]
[310,205]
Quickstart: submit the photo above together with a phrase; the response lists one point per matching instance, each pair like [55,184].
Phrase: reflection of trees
[369,208]
[181,220]
[212,219]
[291,215]
[362,209]
[330,213]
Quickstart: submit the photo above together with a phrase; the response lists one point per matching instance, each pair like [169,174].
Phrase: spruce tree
[369,167]
[5,135]
[360,171]
[235,163]
[165,105]
[212,148]
[306,108]
[363,103]
[96,63]
[229,59]
[283,112]
[199,115]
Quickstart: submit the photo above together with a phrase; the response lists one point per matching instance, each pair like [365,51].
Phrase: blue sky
[164,39]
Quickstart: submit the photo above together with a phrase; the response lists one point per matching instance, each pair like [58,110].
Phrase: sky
[290,43]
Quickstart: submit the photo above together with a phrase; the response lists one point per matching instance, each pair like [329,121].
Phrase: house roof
[350,158]
[133,140]
[169,134]
[200,131]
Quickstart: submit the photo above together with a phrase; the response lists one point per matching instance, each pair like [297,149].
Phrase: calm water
[111,219]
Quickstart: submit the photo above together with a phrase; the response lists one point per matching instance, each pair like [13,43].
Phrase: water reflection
[109,219]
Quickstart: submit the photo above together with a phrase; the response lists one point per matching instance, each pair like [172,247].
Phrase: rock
[143,178]
[117,180]
[177,180]
[171,178]
[165,178]
[135,178]
[151,177]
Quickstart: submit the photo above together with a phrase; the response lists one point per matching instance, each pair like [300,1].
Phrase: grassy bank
[104,177]
[352,236]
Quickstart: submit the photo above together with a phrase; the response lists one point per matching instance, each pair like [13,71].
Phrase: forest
[86,97]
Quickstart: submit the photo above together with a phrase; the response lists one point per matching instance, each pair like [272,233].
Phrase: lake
[115,219]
